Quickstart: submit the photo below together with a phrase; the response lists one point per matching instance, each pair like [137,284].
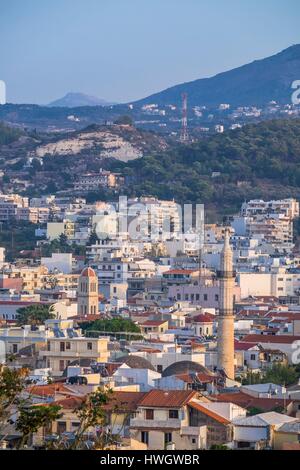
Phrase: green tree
[281,375]
[35,314]
[12,383]
[91,413]
[93,238]
[32,418]
[124,120]
[114,325]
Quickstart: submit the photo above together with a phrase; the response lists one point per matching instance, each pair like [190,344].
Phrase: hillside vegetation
[256,161]
[8,135]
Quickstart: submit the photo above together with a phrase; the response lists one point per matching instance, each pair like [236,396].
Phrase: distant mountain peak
[76,99]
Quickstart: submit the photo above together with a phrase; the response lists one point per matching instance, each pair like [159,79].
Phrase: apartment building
[55,229]
[62,351]
[162,422]
[278,282]
[288,207]
[95,181]
[32,277]
[34,215]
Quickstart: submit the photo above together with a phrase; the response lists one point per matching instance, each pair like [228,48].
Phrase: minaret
[226,317]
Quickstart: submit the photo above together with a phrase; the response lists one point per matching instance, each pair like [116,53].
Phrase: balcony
[226,274]
[155,423]
[192,430]
[70,353]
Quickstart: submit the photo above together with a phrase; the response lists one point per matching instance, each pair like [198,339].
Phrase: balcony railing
[155,423]
[226,274]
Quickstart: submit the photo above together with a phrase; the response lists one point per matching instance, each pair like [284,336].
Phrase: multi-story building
[63,350]
[95,181]
[277,282]
[288,207]
[55,229]
[162,421]
[9,205]
[32,276]
[33,214]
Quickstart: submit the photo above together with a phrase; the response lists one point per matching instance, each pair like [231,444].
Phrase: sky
[123,50]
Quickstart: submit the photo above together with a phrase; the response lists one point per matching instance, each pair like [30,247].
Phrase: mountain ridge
[260,83]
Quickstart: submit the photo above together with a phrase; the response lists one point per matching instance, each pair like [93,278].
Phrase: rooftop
[167,399]
[264,419]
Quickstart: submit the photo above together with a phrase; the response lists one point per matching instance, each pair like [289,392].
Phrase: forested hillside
[256,161]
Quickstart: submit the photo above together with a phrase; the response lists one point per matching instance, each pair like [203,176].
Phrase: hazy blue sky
[123,50]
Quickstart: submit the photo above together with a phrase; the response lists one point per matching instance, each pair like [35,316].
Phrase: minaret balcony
[226,274]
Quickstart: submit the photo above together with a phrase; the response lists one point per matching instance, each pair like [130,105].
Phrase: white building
[61,262]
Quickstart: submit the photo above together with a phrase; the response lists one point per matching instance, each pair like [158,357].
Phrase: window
[173,414]
[205,297]
[15,348]
[252,357]
[149,414]
[216,297]
[68,345]
[62,347]
[168,438]
[89,346]
[159,368]
[61,427]
[145,437]
[61,365]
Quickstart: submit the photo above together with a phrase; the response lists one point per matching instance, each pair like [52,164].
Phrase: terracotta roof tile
[247,401]
[48,390]
[124,401]
[167,399]
[153,322]
[283,339]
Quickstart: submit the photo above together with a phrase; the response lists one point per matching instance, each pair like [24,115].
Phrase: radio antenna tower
[184,136]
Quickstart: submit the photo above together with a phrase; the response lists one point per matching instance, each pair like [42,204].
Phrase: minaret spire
[226,317]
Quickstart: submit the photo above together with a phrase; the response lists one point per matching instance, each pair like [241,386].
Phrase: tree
[93,238]
[281,375]
[35,314]
[114,325]
[91,413]
[32,418]
[12,383]
[124,120]
[63,240]
[252,378]
[13,402]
